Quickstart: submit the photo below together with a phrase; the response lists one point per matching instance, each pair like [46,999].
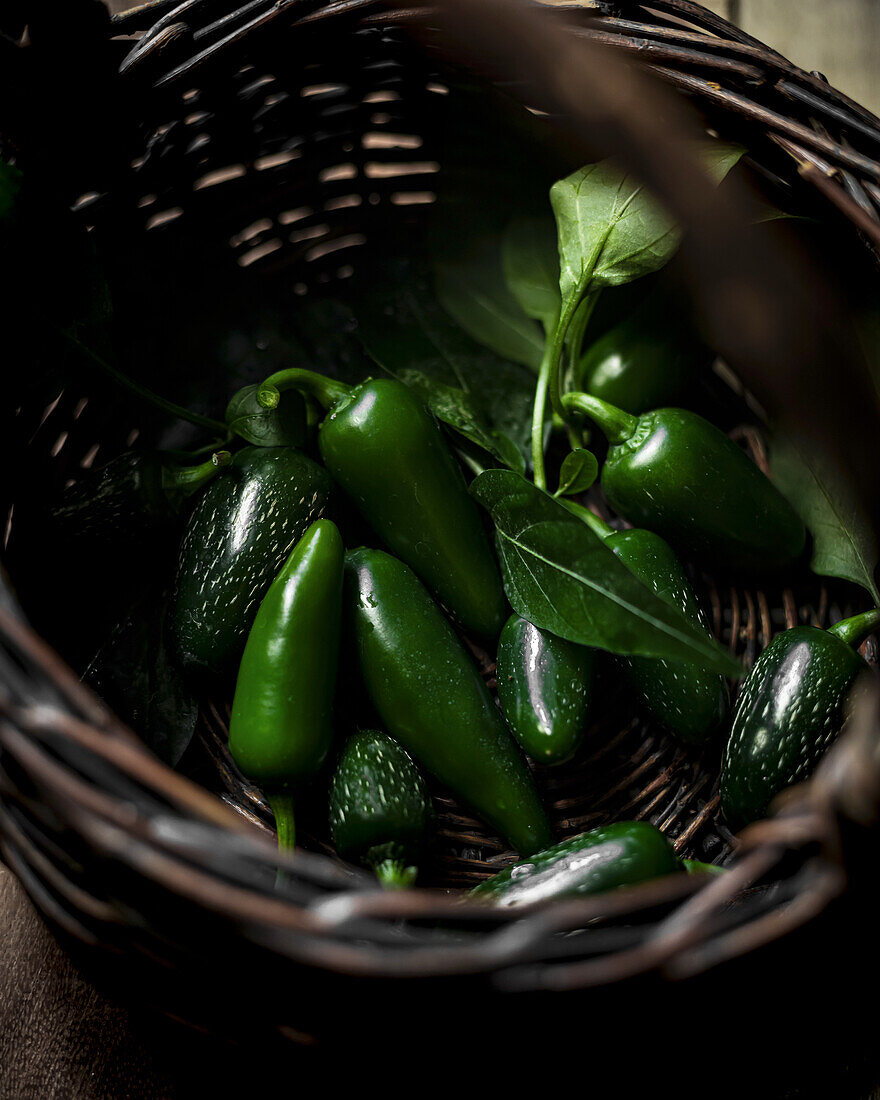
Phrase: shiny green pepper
[385,449]
[791,708]
[678,475]
[643,362]
[237,538]
[691,702]
[380,808]
[432,699]
[622,854]
[281,726]
[544,686]
[131,496]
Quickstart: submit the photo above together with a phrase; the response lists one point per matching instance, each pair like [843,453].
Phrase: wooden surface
[840,38]
[58,1036]
[63,1039]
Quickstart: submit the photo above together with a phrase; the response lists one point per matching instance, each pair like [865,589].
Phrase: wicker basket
[250,152]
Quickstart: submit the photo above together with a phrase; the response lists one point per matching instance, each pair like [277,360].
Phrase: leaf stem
[143,392]
[557,346]
[572,322]
[596,524]
[539,415]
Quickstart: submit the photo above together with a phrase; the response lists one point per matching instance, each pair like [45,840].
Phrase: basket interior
[255,193]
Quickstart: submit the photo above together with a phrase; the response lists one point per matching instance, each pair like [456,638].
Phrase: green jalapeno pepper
[281,726]
[544,686]
[678,475]
[432,699]
[384,448]
[380,809]
[622,854]
[643,362]
[791,708]
[237,538]
[132,495]
[689,701]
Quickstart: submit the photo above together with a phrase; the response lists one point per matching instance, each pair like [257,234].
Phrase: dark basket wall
[244,163]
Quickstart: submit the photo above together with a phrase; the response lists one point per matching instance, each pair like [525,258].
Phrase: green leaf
[720,158]
[405,331]
[530,261]
[473,292]
[580,469]
[844,541]
[284,426]
[454,408]
[560,576]
[611,230]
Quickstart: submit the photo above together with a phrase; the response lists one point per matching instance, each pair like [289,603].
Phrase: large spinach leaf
[472,290]
[530,261]
[405,331]
[454,408]
[611,230]
[560,576]
[844,541]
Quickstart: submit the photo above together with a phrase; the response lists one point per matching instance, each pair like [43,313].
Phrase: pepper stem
[618,425]
[697,867]
[183,481]
[596,524]
[281,805]
[854,631]
[393,874]
[326,391]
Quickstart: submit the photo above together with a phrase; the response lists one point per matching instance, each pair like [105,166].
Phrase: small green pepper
[643,362]
[544,686]
[380,809]
[132,495]
[622,854]
[237,538]
[791,708]
[432,699]
[281,726]
[678,475]
[383,446]
[691,702]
